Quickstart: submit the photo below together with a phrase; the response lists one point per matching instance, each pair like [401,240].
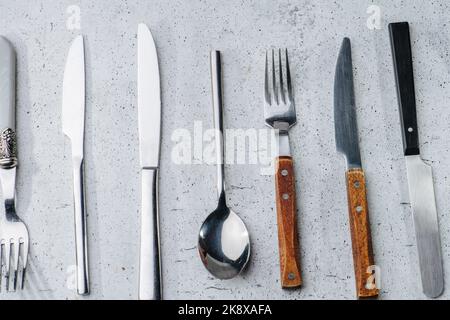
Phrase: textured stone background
[185,31]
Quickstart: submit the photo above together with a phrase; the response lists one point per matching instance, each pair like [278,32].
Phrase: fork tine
[22,285]
[1,264]
[15,262]
[266,79]
[288,76]
[281,89]
[7,251]
[24,257]
[274,82]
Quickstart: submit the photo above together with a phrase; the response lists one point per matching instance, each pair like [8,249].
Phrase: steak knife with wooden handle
[347,143]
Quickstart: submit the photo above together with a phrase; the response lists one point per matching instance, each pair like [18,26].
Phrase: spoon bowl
[224,243]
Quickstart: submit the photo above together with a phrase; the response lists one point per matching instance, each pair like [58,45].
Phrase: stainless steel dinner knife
[420,176]
[347,143]
[73,107]
[149,114]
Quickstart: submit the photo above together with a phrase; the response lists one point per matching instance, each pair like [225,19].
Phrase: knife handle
[150,287]
[287,226]
[7,85]
[360,233]
[80,228]
[404,77]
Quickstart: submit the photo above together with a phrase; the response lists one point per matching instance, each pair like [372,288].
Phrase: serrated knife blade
[346,129]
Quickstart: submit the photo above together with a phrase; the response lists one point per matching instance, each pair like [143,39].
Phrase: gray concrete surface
[185,31]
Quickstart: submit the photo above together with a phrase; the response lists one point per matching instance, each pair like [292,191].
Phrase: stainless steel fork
[13,235]
[279,112]
[14,242]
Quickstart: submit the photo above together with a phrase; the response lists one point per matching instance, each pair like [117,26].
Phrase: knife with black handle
[401,52]
[420,175]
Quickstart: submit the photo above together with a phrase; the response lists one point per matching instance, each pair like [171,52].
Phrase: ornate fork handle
[8,149]
[8,164]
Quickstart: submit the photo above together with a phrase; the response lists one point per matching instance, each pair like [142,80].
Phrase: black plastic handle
[404,76]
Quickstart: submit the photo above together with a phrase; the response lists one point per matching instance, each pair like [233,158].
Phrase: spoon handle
[287,225]
[216,83]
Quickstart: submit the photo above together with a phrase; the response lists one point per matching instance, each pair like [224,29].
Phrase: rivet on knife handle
[287,224]
[360,233]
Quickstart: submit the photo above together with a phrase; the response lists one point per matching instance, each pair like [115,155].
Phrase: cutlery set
[224,241]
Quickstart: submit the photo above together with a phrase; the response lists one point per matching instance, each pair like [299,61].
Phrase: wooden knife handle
[360,232]
[287,227]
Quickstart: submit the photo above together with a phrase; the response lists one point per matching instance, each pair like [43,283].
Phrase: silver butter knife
[73,107]
[149,109]
[420,176]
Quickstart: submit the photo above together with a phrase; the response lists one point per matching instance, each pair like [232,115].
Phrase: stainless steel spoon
[223,243]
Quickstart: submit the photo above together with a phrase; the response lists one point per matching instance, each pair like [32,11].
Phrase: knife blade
[149,114]
[347,143]
[346,130]
[420,175]
[73,109]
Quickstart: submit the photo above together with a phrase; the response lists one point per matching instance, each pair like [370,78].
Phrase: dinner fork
[14,241]
[13,235]
[279,113]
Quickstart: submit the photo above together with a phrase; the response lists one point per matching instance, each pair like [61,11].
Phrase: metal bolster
[282,126]
[282,129]
[8,149]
